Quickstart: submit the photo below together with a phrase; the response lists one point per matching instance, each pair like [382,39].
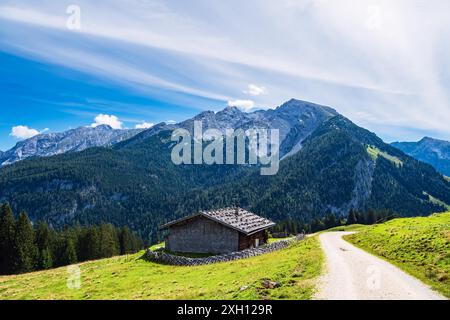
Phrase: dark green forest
[369,217]
[135,184]
[25,247]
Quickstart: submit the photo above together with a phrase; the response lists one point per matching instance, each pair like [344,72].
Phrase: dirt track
[353,274]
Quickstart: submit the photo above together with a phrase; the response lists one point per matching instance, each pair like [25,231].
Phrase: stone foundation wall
[165,258]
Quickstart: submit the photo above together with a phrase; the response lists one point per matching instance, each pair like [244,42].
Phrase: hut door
[256,243]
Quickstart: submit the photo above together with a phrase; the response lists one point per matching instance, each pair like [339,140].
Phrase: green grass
[353,227]
[272,240]
[419,246]
[375,153]
[130,277]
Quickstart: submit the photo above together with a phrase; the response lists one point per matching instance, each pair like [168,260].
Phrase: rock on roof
[235,218]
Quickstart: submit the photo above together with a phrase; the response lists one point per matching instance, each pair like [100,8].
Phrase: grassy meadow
[375,153]
[420,246]
[352,227]
[131,277]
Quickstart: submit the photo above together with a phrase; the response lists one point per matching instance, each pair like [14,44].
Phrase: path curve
[353,274]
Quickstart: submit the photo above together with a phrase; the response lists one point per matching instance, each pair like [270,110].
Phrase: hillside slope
[340,166]
[336,170]
[130,277]
[49,144]
[432,151]
[420,246]
[135,185]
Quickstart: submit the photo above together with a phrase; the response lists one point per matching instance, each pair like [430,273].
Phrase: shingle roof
[245,221]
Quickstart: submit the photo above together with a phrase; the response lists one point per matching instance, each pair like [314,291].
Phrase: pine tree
[90,248]
[24,245]
[109,243]
[351,219]
[42,235]
[138,244]
[44,243]
[317,225]
[370,217]
[7,233]
[69,254]
[360,217]
[330,221]
[126,241]
[45,260]
[23,249]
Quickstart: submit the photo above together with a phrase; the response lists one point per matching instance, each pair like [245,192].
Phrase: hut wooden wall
[246,242]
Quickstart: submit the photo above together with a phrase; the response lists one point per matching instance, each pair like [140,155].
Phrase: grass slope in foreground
[419,246]
[130,277]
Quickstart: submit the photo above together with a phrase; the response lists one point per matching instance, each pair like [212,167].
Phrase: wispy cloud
[110,120]
[144,125]
[255,90]
[23,132]
[245,105]
[376,61]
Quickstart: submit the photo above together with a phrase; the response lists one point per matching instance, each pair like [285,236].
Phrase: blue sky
[383,64]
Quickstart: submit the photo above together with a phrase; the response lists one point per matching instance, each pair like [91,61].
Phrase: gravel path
[353,274]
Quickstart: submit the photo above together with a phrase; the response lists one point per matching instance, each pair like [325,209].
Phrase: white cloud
[171,122]
[255,90]
[110,120]
[380,60]
[23,132]
[245,105]
[144,125]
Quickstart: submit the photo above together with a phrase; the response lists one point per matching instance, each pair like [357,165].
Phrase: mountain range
[429,150]
[303,116]
[294,119]
[330,165]
[45,145]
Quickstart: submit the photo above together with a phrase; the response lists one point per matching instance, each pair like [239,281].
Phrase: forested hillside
[335,172]
[339,167]
[133,184]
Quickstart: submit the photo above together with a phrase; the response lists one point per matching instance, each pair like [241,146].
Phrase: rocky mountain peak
[295,120]
[78,139]
[432,151]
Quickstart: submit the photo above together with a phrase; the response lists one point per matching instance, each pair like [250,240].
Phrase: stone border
[170,259]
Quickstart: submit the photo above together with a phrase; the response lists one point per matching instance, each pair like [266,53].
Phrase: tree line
[25,247]
[330,220]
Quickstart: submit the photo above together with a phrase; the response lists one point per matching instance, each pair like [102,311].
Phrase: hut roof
[236,218]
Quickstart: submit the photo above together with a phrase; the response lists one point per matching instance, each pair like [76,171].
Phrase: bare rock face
[295,120]
[45,145]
